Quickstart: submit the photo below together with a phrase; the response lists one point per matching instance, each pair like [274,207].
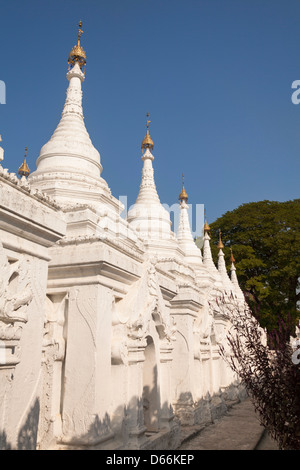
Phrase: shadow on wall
[210,407]
[115,429]
[130,426]
[4,445]
[113,425]
[27,437]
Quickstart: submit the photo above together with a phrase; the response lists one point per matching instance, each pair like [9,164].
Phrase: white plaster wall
[87,366]
[25,400]
[28,226]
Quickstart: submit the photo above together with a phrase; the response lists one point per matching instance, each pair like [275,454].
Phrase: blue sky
[215,76]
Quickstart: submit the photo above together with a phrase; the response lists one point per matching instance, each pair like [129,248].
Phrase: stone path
[239,429]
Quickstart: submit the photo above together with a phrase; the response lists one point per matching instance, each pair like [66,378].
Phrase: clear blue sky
[214,75]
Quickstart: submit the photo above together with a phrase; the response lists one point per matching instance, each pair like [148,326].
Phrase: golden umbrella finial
[77,54]
[206,226]
[24,168]
[183,195]
[220,244]
[80,32]
[232,260]
[147,142]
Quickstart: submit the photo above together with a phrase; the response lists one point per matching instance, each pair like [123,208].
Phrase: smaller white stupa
[184,236]
[238,291]
[148,216]
[222,267]
[207,256]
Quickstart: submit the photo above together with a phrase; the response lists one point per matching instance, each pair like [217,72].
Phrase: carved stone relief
[53,363]
[142,305]
[15,296]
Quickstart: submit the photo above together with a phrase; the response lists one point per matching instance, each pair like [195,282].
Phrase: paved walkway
[239,429]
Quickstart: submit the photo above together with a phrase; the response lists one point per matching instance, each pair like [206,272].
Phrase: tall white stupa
[69,166]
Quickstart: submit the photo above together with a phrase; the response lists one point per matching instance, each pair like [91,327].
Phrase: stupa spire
[24,168]
[222,266]
[148,192]
[147,142]
[234,278]
[77,54]
[232,260]
[220,244]
[207,256]
[206,227]
[147,215]
[184,235]
[183,195]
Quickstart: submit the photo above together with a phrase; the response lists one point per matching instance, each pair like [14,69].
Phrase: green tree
[265,238]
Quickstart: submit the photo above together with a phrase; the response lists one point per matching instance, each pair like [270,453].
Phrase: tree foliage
[265,238]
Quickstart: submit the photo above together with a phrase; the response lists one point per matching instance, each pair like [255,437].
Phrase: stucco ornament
[142,306]
[15,290]
[15,296]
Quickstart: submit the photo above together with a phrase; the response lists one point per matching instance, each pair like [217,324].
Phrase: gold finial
[24,168]
[206,226]
[80,32]
[183,195]
[147,142]
[232,260]
[77,54]
[220,244]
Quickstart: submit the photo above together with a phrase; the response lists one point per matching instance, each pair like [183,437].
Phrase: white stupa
[184,236]
[237,290]
[222,267]
[148,216]
[69,167]
[206,250]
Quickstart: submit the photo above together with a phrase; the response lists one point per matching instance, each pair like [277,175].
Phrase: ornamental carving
[148,178]
[143,305]
[15,296]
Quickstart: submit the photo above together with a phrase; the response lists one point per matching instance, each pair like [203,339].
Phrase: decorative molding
[115,242]
[23,186]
